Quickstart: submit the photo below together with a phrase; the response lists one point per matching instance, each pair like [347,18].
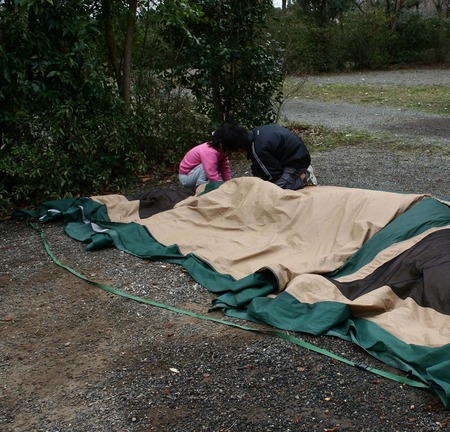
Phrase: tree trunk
[121,69]
[398,11]
[111,42]
[219,115]
[128,51]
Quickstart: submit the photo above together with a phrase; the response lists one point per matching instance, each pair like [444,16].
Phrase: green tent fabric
[367,266]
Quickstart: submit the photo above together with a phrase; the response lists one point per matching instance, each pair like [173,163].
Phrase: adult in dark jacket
[277,154]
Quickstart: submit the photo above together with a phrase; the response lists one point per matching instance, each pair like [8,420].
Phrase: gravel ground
[76,358]
[415,127]
[405,78]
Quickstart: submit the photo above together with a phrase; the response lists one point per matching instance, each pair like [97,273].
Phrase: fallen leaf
[443,424]
[249,366]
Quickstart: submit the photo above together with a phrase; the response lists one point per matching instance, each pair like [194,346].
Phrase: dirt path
[403,124]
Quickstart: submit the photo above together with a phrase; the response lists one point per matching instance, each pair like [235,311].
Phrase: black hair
[230,138]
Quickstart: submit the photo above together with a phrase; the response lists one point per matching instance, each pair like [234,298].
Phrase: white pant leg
[195,177]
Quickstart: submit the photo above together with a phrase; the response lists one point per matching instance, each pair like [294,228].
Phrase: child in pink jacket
[209,161]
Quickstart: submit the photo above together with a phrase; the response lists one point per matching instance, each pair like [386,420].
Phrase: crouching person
[210,161]
[277,155]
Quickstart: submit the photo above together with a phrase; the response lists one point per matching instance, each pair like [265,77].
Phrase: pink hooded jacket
[213,162]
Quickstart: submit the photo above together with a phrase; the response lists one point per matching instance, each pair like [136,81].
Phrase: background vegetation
[96,94]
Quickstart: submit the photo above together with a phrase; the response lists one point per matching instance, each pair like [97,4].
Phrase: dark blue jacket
[272,148]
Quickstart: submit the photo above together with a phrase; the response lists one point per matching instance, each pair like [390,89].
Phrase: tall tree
[44,49]
[61,126]
[120,56]
[322,12]
[226,57]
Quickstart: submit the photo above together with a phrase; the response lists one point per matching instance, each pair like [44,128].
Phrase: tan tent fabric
[119,208]
[404,319]
[391,297]
[387,254]
[248,224]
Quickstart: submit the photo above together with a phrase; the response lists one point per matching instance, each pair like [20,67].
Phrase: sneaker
[311,179]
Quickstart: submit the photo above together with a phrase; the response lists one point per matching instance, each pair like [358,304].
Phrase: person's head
[230,139]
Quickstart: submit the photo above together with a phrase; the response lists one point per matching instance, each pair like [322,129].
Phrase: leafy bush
[64,131]
[363,38]
[421,39]
[226,58]
[307,47]
[70,149]
[58,117]
[168,120]
[367,39]
[320,48]
[85,148]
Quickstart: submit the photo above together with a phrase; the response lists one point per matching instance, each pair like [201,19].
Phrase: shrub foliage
[334,35]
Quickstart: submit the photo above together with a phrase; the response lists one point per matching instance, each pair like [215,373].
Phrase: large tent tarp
[371,267]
